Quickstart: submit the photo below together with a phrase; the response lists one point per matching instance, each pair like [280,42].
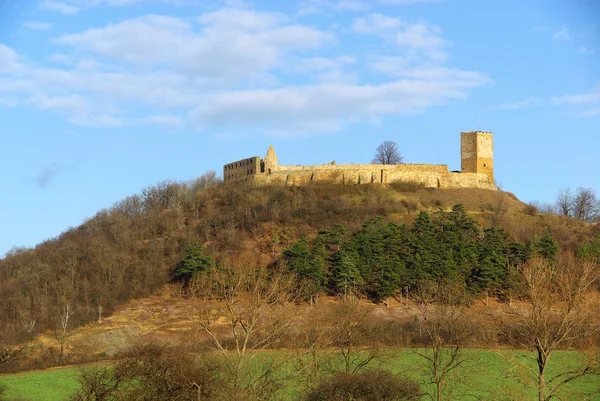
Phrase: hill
[130,250]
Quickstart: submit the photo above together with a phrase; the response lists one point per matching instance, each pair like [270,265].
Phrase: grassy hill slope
[127,251]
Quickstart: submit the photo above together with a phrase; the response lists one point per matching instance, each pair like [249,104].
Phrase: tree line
[385,258]
[581,204]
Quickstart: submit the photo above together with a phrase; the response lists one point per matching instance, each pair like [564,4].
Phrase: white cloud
[168,120]
[593,112]
[520,104]
[584,50]
[562,34]
[416,42]
[232,44]
[38,26]
[336,76]
[68,102]
[225,71]
[351,5]
[308,7]
[322,63]
[590,102]
[74,6]
[405,1]
[8,102]
[586,98]
[324,107]
[375,23]
[59,58]
[61,7]
[8,59]
[98,120]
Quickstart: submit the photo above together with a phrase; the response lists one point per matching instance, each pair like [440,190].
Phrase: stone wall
[431,176]
[241,169]
[476,155]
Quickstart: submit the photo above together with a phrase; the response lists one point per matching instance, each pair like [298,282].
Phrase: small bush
[531,209]
[410,206]
[376,385]
[152,372]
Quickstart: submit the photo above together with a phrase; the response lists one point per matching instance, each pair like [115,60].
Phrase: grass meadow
[485,376]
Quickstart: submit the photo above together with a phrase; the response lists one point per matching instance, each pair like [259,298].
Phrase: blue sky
[101,98]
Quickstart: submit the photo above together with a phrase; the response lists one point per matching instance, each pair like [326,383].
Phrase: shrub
[152,372]
[375,385]
[531,209]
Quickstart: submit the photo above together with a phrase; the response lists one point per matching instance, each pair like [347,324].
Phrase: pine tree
[193,262]
[492,264]
[308,262]
[547,247]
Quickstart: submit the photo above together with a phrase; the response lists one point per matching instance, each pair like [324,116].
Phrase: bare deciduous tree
[349,326]
[585,204]
[246,312]
[563,202]
[446,332]
[560,308]
[314,338]
[65,314]
[387,153]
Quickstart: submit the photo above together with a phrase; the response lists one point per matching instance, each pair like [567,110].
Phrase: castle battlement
[476,156]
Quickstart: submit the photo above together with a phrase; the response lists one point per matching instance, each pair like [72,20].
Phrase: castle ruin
[477,169]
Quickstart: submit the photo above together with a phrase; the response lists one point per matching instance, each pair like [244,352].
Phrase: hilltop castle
[477,156]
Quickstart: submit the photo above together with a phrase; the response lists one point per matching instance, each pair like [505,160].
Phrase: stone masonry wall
[241,169]
[432,176]
[476,155]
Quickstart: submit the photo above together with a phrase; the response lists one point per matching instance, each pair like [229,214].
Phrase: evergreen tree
[425,260]
[309,264]
[344,275]
[372,253]
[194,261]
[590,250]
[518,254]
[547,247]
[457,236]
[492,264]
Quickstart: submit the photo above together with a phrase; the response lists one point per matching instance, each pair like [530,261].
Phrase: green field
[52,384]
[486,376]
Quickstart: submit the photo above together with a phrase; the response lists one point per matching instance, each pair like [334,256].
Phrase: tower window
[483,164]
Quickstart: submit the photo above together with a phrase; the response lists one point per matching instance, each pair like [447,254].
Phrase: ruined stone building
[477,169]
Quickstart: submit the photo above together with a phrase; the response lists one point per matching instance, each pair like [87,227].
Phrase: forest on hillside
[333,239]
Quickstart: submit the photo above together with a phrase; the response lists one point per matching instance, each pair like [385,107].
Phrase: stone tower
[270,162]
[477,153]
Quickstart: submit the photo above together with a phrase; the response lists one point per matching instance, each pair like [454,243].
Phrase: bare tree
[245,311]
[388,153]
[65,314]
[564,201]
[313,340]
[349,328]
[560,310]
[206,180]
[585,204]
[445,331]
